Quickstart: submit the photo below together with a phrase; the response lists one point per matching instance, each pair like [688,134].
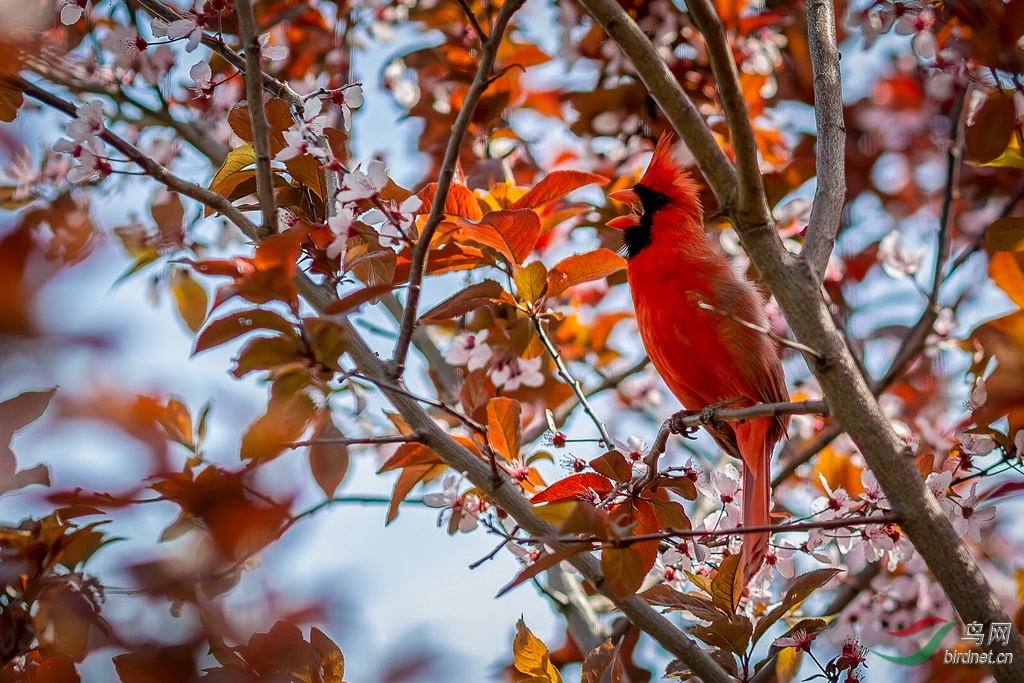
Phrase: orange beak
[628,197]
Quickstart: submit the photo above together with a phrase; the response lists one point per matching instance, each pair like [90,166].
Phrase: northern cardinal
[690,309]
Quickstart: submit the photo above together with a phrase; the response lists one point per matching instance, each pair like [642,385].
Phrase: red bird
[689,307]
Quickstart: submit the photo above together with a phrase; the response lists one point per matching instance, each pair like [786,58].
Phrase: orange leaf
[554,186]
[1007,270]
[512,234]
[1005,234]
[624,570]
[542,563]
[613,465]
[581,268]
[530,657]
[993,126]
[727,586]
[582,486]
[273,432]
[504,426]
[409,477]
[460,201]
[408,455]
[354,300]
[327,664]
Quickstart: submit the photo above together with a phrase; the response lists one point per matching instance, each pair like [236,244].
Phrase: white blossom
[358,185]
[896,261]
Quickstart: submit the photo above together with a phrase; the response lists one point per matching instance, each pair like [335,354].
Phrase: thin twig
[421,250]
[363,441]
[472,20]
[670,533]
[152,168]
[567,377]
[954,162]
[829,160]
[257,115]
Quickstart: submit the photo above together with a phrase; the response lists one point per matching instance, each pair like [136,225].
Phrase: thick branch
[421,250]
[830,160]
[673,101]
[257,115]
[152,168]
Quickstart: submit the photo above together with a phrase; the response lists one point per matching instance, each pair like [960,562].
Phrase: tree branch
[257,115]
[752,202]
[665,89]
[830,159]
[421,250]
[152,168]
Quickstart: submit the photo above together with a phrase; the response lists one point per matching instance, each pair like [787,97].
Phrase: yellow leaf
[530,657]
[190,297]
[327,664]
[531,281]
[787,664]
[236,160]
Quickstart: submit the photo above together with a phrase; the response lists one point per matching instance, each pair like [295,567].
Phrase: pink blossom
[348,98]
[343,225]
[88,121]
[202,75]
[273,53]
[465,508]
[516,372]
[799,639]
[830,506]
[92,162]
[970,518]
[470,350]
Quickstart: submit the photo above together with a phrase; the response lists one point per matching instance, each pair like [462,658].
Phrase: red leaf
[575,486]
[238,323]
[513,234]
[554,186]
[409,477]
[580,268]
[613,465]
[467,300]
[328,461]
[354,300]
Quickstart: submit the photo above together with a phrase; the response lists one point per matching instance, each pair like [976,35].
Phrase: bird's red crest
[666,175]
